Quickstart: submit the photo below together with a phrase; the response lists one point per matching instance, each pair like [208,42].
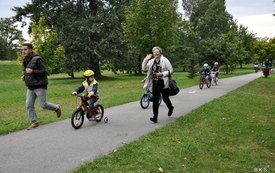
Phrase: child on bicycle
[216,69]
[205,72]
[90,85]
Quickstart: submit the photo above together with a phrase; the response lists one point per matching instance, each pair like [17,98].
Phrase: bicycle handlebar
[81,95]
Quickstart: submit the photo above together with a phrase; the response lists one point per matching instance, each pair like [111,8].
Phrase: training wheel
[106,120]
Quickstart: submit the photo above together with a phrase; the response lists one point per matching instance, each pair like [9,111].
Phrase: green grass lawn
[234,133]
[128,88]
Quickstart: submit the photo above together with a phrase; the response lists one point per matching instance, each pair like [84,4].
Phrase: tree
[150,23]
[212,23]
[264,49]
[182,53]
[9,38]
[46,44]
[213,19]
[119,54]
[4,49]
[85,29]
[245,48]
[188,6]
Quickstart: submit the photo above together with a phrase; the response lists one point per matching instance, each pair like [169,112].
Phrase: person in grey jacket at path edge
[158,70]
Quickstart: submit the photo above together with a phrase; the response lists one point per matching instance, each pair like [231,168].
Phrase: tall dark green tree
[188,6]
[119,54]
[246,45]
[4,49]
[151,23]
[182,53]
[84,28]
[210,21]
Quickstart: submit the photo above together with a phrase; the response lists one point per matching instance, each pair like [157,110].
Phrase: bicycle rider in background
[205,71]
[216,69]
[90,85]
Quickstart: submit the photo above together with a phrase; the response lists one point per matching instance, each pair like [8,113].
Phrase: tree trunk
[95,66]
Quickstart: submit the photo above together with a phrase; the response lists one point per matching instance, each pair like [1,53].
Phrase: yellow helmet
[88,73]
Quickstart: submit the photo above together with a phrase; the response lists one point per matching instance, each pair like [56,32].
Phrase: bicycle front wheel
[208,84]
[100,112]
[214,81]
[77,118]
[144,101]
[201,83]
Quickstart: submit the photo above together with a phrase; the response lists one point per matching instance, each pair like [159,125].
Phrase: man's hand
[22,78]
[29,70]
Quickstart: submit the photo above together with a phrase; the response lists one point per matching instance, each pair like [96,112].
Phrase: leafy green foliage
[264,49]
[182,52]
[90,32]
[150,23]
[219,39]
[188,6]
[116,34]
[4,49]
[47,46]
[9,34]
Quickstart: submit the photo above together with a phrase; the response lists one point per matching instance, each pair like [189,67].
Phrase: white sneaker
[92,118]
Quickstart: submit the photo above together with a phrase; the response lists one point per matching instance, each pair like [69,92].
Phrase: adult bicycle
[204,80]
[83,110]
[146,98]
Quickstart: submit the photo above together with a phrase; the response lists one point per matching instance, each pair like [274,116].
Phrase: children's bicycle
[214,79]
[146,98]
[204,80]
[77,118]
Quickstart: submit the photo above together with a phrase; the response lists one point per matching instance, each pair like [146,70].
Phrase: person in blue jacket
[90,85]
[205,71]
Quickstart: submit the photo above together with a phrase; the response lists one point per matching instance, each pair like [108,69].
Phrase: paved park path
[58,148]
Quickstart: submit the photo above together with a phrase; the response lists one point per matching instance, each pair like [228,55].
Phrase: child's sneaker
[92,118]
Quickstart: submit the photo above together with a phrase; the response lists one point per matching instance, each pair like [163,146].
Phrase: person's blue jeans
[30,101]
[92,101]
